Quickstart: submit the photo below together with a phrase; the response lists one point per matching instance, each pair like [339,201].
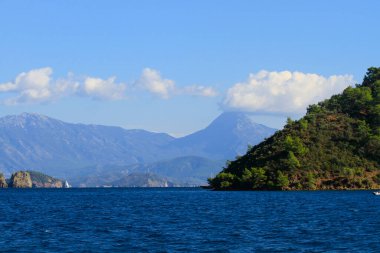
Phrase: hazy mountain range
[89,154]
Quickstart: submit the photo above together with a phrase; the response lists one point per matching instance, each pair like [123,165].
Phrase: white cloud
[66,86]
[283,92]
[38,86]
[5,87]
[152,81]
[31,86]
[104,88]
[198,90]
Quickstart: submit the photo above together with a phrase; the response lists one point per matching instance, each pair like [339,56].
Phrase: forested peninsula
[336,145]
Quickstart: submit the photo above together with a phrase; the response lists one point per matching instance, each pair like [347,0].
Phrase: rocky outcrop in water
[40,180]
[31,179]
[21,179]
[3,182]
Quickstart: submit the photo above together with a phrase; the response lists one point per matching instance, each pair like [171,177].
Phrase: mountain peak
[239,121]
[25,118]
[231,116]
[35,141]
[28,115]
[234,129]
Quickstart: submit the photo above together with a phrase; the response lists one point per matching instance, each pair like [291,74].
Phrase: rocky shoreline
[31,179]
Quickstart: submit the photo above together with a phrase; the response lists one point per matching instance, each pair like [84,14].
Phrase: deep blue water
[187,220]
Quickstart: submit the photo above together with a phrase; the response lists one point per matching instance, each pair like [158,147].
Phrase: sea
[187,220]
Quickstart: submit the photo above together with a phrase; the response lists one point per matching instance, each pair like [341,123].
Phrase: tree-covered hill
[336,145]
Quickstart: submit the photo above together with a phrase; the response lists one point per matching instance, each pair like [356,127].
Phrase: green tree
[254,178]
[246,176]
[357,101]
[292,161]
[310,181]
[303,124]
[294,145]
[258,178]
[282,180]
[223,180]
[314,109]
[376,179]
[371,78]
[372,148]
[349,173]
[289,121]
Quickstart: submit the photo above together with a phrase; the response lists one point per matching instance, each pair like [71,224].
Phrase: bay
[187,220]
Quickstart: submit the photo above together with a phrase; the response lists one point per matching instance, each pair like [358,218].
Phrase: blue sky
[173,66]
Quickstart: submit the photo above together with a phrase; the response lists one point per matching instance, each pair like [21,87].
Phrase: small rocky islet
[30,179]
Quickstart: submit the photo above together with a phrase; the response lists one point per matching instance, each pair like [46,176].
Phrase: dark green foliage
[376,179]
[336,145]
[255,179]
[303,124]
[289,121]
[292,161]
[310,181]
[294,145]
[223,180]
[282,180]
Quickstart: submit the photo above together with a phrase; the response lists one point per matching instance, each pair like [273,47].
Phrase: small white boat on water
[376,193]
[66,184]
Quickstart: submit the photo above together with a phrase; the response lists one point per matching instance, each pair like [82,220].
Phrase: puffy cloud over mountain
[283,92]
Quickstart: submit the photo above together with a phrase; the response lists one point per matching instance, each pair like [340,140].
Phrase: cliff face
[3,183]
[55,184]
[21,179]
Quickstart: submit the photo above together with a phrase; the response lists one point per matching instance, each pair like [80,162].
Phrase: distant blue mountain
[227,136]
[36,142]
[180,171]
[42,143]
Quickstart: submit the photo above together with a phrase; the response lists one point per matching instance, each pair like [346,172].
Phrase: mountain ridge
[37,142]
[234,129]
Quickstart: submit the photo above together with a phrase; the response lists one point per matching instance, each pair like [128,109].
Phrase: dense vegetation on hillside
[336,145]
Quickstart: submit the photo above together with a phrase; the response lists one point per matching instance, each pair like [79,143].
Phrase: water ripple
[187,220]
